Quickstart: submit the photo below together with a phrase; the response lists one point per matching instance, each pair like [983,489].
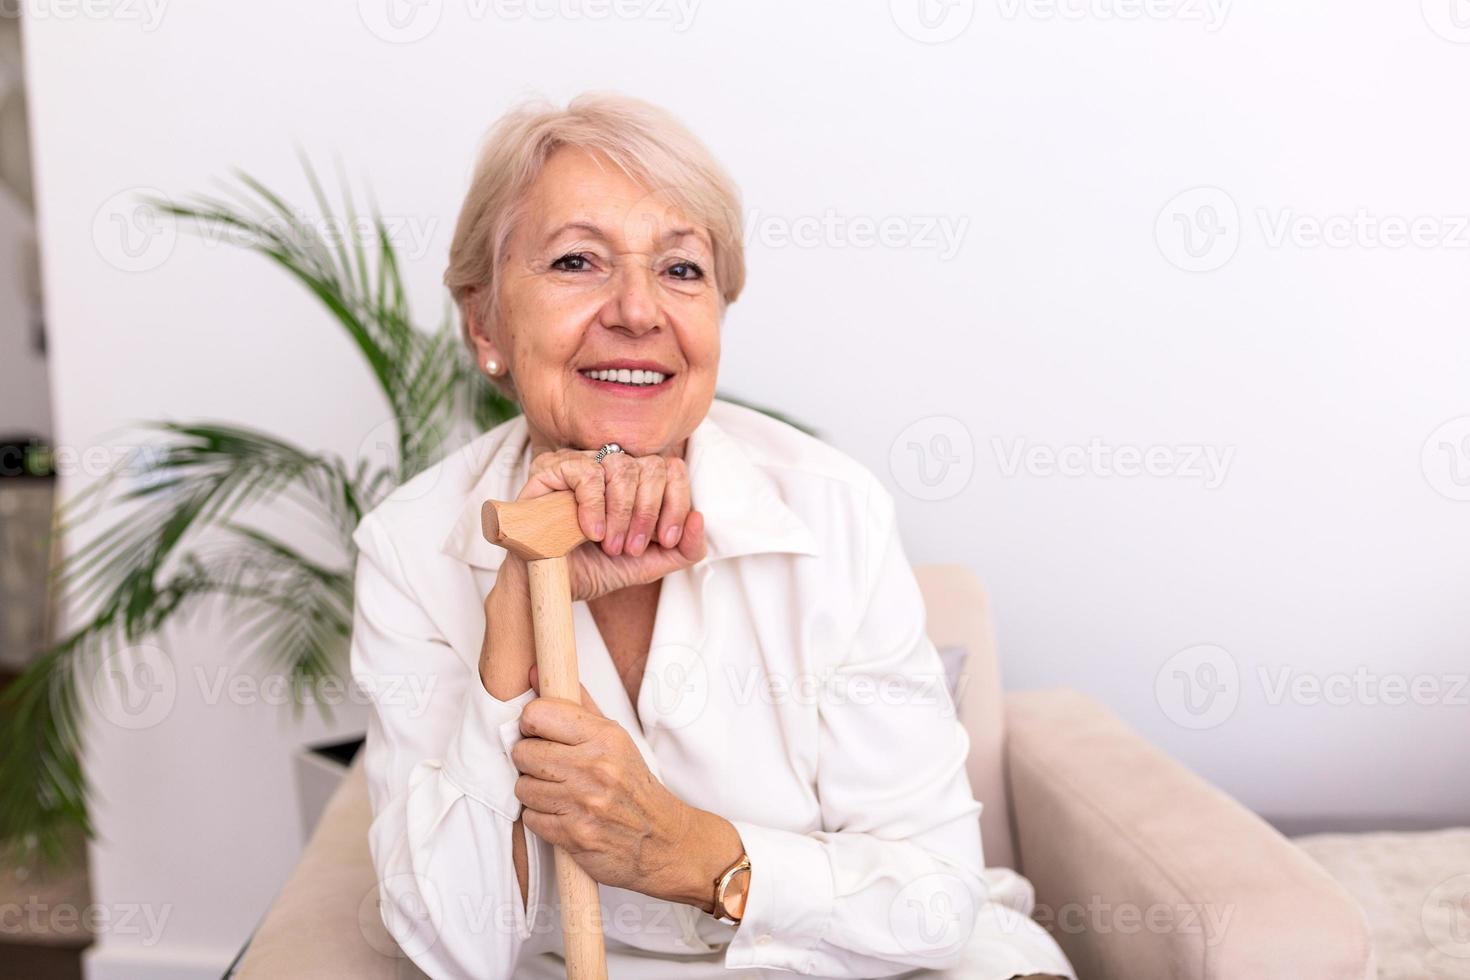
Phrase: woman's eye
[686,270]
[575,262]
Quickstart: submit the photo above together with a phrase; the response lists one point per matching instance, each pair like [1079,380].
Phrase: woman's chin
[637,432]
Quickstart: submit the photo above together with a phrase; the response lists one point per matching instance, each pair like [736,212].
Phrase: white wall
[1058,143]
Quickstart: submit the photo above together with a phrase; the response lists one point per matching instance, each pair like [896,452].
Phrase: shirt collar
[743,510]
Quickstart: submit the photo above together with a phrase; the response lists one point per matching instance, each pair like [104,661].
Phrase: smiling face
[604,285]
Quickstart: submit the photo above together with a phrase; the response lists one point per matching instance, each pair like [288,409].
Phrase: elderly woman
[765,769]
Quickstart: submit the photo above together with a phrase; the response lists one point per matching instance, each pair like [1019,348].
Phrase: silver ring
[607,450]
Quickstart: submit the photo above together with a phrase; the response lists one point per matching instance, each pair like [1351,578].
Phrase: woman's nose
[634,304]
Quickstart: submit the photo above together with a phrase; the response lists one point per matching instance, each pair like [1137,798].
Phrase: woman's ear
[488,354]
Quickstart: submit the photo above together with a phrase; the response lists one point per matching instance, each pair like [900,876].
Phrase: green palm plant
[181,540]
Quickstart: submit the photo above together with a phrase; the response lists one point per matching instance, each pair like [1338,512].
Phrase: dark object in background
[26,455]
[27,511]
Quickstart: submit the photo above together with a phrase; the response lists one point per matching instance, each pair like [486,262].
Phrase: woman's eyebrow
[676,233]
[596,231]
[587,226]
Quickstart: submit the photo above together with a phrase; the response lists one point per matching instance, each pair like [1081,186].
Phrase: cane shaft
[556,667]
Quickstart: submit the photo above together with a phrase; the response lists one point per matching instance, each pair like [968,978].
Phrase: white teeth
[627,377]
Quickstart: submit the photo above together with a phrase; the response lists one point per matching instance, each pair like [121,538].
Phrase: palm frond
[202,477]
[42,787]
[364,293]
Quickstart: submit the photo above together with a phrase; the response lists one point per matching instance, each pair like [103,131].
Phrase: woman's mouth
[637,378]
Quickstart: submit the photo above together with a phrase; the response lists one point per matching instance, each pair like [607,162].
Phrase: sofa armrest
[325,924]
[1142,869]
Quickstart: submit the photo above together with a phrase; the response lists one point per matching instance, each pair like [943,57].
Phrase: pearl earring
[492,366]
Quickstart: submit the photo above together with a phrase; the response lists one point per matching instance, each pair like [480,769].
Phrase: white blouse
[790,687]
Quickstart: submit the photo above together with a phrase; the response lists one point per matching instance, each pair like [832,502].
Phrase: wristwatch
[741,866]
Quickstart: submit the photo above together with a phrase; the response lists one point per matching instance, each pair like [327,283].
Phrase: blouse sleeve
[896,879]
[441,782]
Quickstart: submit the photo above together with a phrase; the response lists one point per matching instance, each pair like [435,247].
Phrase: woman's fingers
[542,759]
[665,561]
[692,545]
[621,481]
[559,720]
[591,499]
[675,510]
[567,469]
[653,475]
[639,510]
[544,795]
[547,758]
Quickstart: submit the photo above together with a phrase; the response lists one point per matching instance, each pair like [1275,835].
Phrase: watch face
[722,885]
[736,893]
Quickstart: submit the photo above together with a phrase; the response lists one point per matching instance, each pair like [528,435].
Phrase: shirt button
[763,939]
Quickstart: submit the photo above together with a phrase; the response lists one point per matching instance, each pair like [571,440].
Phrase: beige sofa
[1143,871]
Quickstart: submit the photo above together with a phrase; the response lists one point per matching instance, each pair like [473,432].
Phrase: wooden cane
[543,531]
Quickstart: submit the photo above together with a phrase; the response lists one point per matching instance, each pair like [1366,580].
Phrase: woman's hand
[635,510]
[584,787]
[637,513]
